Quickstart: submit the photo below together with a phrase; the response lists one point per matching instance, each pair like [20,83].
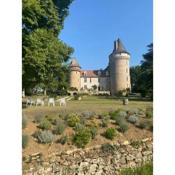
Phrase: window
[85,86]
[90,80]
[99,80]
[85,79]
[126,70]
[126,78]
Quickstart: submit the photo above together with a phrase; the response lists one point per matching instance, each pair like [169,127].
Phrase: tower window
[127,78]
[126,70]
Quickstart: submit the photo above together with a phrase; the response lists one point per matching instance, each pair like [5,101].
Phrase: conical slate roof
[74,63]
[119,47]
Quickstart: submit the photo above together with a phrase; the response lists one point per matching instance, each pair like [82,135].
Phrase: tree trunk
[45,92]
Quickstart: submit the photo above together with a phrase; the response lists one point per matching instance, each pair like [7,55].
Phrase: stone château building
[114,78]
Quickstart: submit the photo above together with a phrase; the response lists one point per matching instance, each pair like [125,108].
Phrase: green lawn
[88,103]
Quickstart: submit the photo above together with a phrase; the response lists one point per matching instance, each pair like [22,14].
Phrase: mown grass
[145,169]
[89,103]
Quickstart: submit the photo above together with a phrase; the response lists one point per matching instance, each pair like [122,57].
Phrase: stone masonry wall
[99,160]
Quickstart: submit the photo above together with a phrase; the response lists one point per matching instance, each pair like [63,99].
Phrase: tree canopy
[142,76]
[43,54]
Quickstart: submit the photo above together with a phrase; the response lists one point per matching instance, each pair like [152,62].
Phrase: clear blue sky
[93,25]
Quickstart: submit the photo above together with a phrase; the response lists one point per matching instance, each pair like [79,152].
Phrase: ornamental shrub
[45,124]
[72,120]
[79,127]
[132,119]
[133,111]
[82,137]
[44,136]
[63,139]
[38,118]
[60,127]
[110,133]
[88,115]
[123,127]
[119,120]
[93,131]
[105,121]
[25,140]
[142,125]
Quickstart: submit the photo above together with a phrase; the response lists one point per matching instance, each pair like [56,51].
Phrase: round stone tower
[119,68]
[75,74]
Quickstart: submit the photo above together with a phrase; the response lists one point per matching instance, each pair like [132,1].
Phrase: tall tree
[142,76]
[44,54]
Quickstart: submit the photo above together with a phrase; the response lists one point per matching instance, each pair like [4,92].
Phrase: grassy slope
[146,169]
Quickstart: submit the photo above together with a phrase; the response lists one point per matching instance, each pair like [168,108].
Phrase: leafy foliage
[110,133]
[72,120]
[82,137]
[123,127]
[142,76]
[144,169]
[105,121]
[93,131]
[43,54]
[60,127]
[132,119]
[45,124]
[44,136]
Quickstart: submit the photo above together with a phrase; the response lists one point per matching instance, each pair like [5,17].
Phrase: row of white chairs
[49,101]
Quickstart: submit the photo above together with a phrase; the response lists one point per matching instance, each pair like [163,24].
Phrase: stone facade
[98,160]
[115,78]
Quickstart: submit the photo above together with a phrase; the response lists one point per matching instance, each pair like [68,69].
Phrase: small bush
[142,125]
[91,123]
[123,127]
[110,133]
[81,138]
[63,140]
[72,120]
[44,136]
[119,120]
[93,131]
[52,119]
[24,122]
[45,124]
[113,115]
[105,121]
[38,118]
[25,140]
[122,114]
[144,169]
[60,127]
[133,111]
[79,127]
[132,119]
[88,115]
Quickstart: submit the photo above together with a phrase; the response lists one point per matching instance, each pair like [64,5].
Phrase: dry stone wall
[99,160]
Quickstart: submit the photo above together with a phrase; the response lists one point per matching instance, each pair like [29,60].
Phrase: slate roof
[119,47]
[74,63]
